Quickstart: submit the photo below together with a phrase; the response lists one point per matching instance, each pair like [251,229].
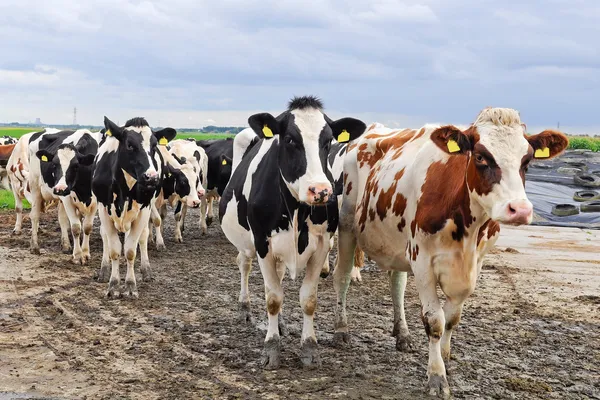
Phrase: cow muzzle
[61,190]
[519,212]
[319,194]
[150,179]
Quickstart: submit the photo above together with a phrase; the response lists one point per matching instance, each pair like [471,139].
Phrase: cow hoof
[113,290]
[35,250]
[404,343]
[245,315]
[104,273]
[161,247]
[85,259]
[77,260]
[204,231]
[130,290]
[209,221]
[438,386]
[146,274]
[310,354]
[283,330]
[341,339]
[324,274]
[271,354]
[16,232]
[179,240]
[355,276]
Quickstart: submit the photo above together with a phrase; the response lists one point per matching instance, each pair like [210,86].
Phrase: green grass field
[18,132]
[7,201]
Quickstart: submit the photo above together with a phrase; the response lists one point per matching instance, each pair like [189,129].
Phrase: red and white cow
[429,201]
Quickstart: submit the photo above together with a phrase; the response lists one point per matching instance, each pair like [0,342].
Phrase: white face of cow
[305,136]
[196,191]
[500,153]
[65,157]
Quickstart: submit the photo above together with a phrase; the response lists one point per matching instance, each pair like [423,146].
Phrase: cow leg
[341,281]
[145,262]
[274,300]
[63,221]
[209,211]
[184,209]
[88,225]
[157,219]
[308,302]
[19,212]
[359,257]
[400,331]
[283,331]
[103,275]
[452,313]
[114,247]
[34,216]
[325,270]
[72,217]
[433,321]
[203,225]
[245,265]
[178,221]
[131,243]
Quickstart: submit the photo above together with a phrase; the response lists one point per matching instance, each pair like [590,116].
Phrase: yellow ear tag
[542,153]
[224,162]
[163,141]
[343,137]
[44,158]
[108,133]
[267,132]
[453,146]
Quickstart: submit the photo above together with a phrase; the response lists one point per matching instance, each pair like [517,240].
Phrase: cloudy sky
[191,63]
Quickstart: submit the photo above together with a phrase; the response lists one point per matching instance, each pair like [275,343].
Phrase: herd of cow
[427,201]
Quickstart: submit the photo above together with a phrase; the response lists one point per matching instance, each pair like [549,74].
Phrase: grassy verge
[584,142]
[18,132]
[7,201]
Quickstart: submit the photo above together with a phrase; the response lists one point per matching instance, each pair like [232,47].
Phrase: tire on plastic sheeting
[587,180]
[541,166]
[577,164]
[564,210]
[586,195]
[590,206]
[597,173]
[569,171]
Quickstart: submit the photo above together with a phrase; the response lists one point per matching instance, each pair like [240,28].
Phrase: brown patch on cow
[310,306]
[413,227]
[452,321]
[372,215]
[445,197]
[483,172]
[359,257]
[415,252]
[6,150]
[482,229]
[401,224]
[351,147]
[273,304]
[13,169]
[369,191]
[345,178]
[348,188]
[384,200]
[493,229]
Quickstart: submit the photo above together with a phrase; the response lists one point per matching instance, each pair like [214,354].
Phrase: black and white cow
[126,182]
[220,159]
[17,169]
[185,165]
[61,166]
[277,206]
[6,140]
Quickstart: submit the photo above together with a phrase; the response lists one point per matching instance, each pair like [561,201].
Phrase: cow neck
[83,185]
[291,204]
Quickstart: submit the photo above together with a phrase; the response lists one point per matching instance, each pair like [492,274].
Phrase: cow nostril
[511,209]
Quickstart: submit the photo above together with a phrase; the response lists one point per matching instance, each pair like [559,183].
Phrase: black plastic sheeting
[546,187]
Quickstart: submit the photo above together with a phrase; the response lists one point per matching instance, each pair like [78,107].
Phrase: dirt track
[530,331]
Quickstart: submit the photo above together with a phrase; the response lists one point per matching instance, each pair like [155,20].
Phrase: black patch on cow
[337,150]
[218,174]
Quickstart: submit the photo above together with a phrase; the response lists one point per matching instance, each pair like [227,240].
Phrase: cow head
[499,153]
[62,168]
[136,150]
[187,181]
[304,135]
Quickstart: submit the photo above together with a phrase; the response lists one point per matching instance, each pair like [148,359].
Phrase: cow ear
[548,144]
[165,135]
[452,140]
[264,125]
[347,129]
[44,155]
[87,159]
[225,160]
[112,129]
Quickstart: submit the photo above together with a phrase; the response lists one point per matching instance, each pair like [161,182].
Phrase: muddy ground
[531,330]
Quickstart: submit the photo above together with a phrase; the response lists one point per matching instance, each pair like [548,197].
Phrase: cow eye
[288,139]
[479,158]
